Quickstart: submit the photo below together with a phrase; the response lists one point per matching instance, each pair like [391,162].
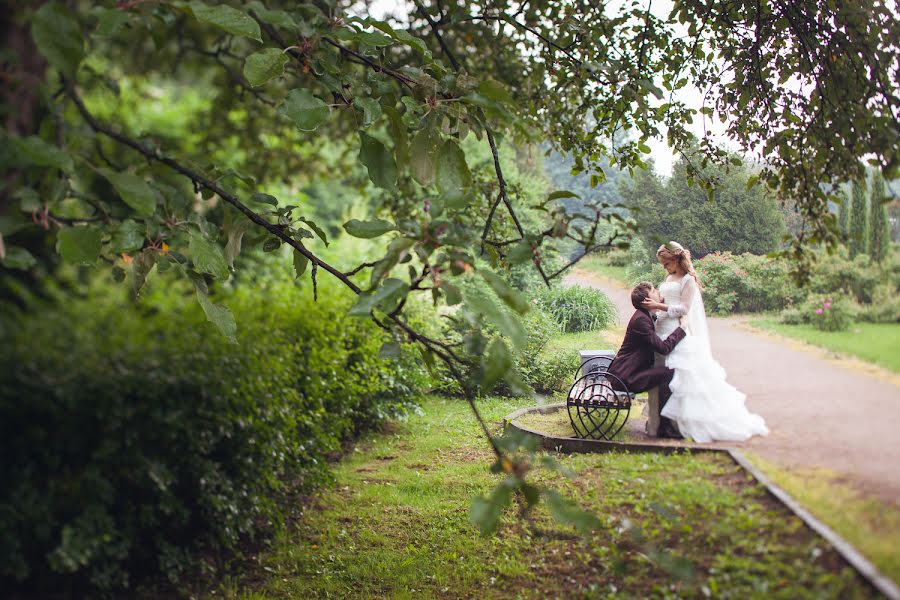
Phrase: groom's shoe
[668,429]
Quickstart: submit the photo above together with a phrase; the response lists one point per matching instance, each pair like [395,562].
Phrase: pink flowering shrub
[828,312]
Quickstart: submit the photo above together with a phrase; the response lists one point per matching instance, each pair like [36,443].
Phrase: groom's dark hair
[640,293]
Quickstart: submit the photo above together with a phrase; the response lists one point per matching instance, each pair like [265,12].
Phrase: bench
[596,410]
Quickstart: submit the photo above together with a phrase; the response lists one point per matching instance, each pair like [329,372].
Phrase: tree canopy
[739,219]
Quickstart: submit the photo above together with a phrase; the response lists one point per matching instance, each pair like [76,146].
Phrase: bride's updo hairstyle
[677,252]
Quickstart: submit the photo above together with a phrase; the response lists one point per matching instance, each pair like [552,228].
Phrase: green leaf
[33,151]
[562,194]
[568,513]
[752,181]
[452,293]
[506,323]
[300,263]
[109,21]
[387,297]
[378,161]
[29,200]
[128,236]
[133,190]
[140,269]
[389,350]
[371,110]
[17,258]
[264,198]
[80,244]
[453,175]
[376,40]
[57,35]
[319,231]
[279,18]
[485,512]
[207,256]
[505,292]
[264,65]
[424,155]
[235,235]
[397,129]
[520,253]
[495,91]
[305,110]
[12,223]
[401,36]
[495,364]
[216,314]
[227,19]
[368,229]
[118,274]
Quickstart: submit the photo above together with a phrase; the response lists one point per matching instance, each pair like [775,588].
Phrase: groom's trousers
[654,380]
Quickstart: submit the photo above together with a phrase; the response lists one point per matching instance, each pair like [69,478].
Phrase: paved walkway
[821,414]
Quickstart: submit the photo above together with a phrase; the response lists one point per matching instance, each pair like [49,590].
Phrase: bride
[703,404]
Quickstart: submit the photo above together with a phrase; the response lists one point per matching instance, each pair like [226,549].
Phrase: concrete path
[821,413]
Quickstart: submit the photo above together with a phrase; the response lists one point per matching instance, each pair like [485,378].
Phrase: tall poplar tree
[844,213]
[879,234]
[858,220]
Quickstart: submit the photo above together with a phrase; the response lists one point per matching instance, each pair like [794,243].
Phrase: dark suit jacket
[636,355]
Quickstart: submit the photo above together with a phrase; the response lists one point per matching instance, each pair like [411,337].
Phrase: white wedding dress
[704,405]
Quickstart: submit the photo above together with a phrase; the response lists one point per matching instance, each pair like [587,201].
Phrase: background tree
[844,213]
[859,221]
[739,218]
[879,232]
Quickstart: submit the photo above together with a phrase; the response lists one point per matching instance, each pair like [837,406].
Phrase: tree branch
[440,349]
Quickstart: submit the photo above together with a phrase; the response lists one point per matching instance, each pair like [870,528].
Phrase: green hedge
[136,438]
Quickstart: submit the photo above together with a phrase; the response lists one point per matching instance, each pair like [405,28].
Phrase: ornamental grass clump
[578,308]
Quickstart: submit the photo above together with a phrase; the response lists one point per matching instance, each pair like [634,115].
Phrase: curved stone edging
[866,569]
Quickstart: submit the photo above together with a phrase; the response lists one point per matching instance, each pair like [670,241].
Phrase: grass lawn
[597,264]
[878,343]
[605,339]
[871,526]
[395,525]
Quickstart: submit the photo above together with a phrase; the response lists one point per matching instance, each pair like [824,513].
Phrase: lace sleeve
[688,289]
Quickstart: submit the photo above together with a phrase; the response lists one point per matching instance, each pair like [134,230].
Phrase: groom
[634,363]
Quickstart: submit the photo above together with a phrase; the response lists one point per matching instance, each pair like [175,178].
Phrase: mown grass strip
[395,524]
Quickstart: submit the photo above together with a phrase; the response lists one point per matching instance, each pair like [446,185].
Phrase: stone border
[851,555]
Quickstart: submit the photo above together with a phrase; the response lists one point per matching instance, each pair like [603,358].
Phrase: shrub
[652,272]
[858,277]
[552,371]
[544,372]
[885,306]
[828,313]
[792,316]
[618,258]
[745,283]
[137,437]
[577,308]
